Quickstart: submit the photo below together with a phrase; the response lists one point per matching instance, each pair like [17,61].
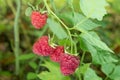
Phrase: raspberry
[42,47]
[38,20]
[68,64]
[56,55]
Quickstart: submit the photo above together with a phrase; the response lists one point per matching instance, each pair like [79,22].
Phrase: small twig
[82,59]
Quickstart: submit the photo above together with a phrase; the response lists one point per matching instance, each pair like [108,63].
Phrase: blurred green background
[109,33]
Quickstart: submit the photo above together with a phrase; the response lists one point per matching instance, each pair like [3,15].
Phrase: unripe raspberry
[68,64]
[38,19]
[41,47]
[56,55]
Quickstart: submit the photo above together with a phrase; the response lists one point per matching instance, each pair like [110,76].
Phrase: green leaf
[116,73]
[107,68]
[95,35]
[92,40]
[31,76]
[79,21]
[91,75]
[88,73]
[67,18]
[28,11]
[102,57]
[26,56]
[83,23]
[50,76]
[86,46]
[57,29]
[99,55]
[65,42]
[45,76]
[33,65]
[54,73]
[93,8]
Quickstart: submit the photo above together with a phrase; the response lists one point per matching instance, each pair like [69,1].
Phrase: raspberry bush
[59,40]
[75,32]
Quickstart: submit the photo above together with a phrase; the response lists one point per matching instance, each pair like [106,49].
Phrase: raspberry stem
[81,63]
[83,55]
[30,5]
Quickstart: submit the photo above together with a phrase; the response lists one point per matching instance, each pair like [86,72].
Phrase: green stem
[83,55]
[16,37]
[50,11]
[69,33]
[80,78]
[75,46]
[81,62]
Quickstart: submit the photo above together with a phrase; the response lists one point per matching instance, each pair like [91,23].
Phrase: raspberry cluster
[68,63]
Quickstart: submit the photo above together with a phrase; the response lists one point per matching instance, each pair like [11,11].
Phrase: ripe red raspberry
[68,64]
[38,19]
[56,55]
[42,47]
